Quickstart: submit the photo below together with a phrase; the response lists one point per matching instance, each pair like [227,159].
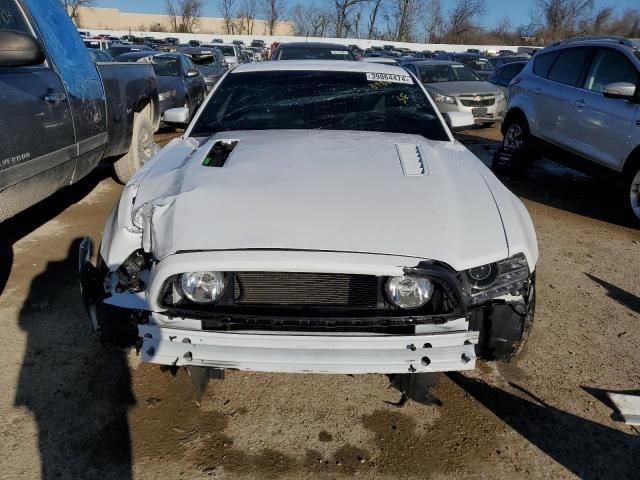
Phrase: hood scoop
[219,153]
[412,160]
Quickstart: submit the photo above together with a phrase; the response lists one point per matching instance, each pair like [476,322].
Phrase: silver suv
[580,96]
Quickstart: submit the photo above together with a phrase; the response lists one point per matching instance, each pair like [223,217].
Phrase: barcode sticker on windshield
[339,52]
[389,77]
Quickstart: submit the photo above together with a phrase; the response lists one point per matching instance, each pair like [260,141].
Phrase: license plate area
[479,111]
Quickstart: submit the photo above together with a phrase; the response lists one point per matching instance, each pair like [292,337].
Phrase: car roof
[523,62]
[149,54]
[319,65]
[313,45]
[428,61]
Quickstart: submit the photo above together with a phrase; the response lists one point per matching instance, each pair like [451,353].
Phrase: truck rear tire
[141,149]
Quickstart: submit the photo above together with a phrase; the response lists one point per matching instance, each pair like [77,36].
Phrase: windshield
[311,53]
[319,100]
[227,50]
[166,66]
[446,73]
[477,64]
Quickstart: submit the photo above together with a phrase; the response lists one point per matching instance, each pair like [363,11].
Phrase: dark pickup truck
[60,113]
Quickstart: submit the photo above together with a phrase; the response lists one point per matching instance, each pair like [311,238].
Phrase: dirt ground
[71,409]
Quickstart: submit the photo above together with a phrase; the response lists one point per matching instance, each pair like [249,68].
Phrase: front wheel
[517,144]
[632,191]
[140,150]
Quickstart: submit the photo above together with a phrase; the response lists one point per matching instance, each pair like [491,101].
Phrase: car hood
[462,88]
[322,191]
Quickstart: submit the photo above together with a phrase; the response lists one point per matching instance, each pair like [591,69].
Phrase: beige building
[113,19]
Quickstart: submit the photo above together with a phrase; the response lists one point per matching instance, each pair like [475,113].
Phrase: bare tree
[373,16]
[343,9]
[462,19]
[403,18]
[184,15]
[227,8]
[563,17]
[247,16]
[273,11]
[433,20]
[73,8]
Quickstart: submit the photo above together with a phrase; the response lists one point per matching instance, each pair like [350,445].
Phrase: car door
[37,140]
[601,126]
[81,79]
[195,86]
[555,97]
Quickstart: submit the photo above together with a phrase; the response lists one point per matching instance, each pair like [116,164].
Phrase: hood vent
[219,153]
[411,159]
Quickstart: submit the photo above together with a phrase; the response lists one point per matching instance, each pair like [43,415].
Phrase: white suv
[582,97]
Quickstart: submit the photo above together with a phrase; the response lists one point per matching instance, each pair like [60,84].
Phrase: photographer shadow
[78,392]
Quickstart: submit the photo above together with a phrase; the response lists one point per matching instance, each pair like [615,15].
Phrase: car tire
[631,190]
[518,142]
[140,150]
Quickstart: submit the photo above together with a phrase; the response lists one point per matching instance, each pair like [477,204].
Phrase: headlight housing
[202,287]
[493,280]
[440,98]
[166,95]
[500,95]
[409,292]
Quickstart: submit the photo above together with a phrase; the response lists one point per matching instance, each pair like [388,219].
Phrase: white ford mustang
[316,217]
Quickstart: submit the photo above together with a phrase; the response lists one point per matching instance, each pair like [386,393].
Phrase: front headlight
[408,292]
[166,95]
[440,98]
[496,279]
[500,95]
[202,287]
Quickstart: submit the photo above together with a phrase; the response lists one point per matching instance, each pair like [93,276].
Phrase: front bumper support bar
[344,354]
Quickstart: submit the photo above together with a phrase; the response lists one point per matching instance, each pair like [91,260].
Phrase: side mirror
[192,73]
[19,50]
[620,90]
[459,120]
[176,116]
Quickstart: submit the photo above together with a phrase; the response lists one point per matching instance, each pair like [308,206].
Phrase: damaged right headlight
[505,277]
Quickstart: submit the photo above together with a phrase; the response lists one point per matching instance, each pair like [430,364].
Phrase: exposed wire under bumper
[343,354]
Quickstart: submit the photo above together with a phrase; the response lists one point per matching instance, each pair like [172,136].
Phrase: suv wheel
[517,141]
[632,190]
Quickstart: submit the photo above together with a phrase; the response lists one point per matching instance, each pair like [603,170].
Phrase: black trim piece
[17,173]
[92,143]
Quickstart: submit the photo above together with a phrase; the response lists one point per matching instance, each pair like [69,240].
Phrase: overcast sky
[518,12]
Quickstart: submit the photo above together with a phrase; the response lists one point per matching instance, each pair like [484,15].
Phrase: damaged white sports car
[316,217]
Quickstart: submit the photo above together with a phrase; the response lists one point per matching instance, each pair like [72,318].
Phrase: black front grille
[485,102]
[312,289]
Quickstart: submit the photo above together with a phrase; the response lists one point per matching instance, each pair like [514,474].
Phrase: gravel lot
[72,409]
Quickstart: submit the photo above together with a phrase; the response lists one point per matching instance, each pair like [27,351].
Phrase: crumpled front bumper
[299,353]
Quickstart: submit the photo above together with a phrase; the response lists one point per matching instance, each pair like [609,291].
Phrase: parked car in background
[318,155]
[59,123]
[456,88]
[117,50]
[381,59]
[96,43]
[99,55]
[477,63]
[580,99]
[212,67]
[503,75]
[499,61]
[313,51]
[180,83]
[231,53]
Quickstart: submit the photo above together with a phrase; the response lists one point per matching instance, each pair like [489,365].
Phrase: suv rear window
[542,63]
[569,66]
